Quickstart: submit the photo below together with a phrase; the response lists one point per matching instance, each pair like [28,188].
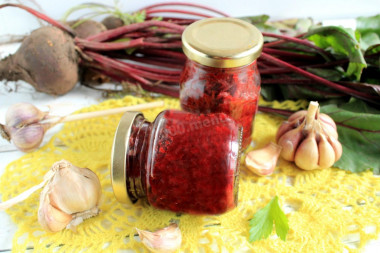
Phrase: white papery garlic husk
[70,196]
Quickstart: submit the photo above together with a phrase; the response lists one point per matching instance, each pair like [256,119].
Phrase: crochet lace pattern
[329,210]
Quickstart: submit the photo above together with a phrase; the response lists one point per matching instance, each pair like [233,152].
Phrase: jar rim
[222,42]
[120,149]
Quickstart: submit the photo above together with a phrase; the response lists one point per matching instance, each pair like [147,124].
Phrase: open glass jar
[220,74]
[181,162]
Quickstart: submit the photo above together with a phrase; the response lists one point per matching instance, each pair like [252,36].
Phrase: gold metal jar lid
[120,150]
[222,42]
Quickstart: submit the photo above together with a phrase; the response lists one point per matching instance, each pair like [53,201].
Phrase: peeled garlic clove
[326,153]
[289,143]
[263,161]
[74,189]
[22,114]
[27,138]
[306,156]
[168,239]
[337,147]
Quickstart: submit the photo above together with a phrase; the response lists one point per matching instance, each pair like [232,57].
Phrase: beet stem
[149,12]
[41,16]
[318,79]
[111,34]
[187,5]
[145,84]
[289,54]
[298,41]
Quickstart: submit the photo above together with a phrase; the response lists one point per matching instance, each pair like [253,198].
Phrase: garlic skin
[263,161]
[71,195]
[27,138]
[310,139]
[167,239]
[22,114]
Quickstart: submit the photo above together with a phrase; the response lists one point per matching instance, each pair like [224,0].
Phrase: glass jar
[221,74]
[181,162]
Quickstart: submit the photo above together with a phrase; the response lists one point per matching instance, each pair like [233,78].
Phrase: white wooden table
[15,21]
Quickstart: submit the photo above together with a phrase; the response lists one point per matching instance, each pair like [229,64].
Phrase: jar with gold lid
[221,74]
[182,162]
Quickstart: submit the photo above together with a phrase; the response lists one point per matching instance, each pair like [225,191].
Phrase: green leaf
[368,24]
[343,43]
[262,222]
[359,133]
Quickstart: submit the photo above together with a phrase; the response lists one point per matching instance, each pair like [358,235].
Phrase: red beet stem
[186,4]
[165,53]
[298,41]
[41,16]
[156,62]
[110,46]
[149,12]
[281,112]
[289,54]
[318,79]
[114,33]
[145,84]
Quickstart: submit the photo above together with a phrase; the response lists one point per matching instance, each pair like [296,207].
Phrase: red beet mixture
[191,161]
[233,91]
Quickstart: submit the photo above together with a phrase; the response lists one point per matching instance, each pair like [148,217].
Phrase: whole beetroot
[46,59]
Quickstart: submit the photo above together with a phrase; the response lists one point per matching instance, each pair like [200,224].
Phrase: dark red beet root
[112,22]
[88,28]
[46,59]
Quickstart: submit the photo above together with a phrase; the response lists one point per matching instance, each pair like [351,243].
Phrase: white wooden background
[18,22]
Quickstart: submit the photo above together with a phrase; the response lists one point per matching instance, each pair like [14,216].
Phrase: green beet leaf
[368,24]
[359,133]
[343,43]
[262,222]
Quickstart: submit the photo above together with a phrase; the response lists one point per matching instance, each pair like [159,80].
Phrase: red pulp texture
[186,162]
[233,91]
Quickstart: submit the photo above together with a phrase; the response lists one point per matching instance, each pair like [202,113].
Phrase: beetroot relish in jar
[181,162]
[220,74]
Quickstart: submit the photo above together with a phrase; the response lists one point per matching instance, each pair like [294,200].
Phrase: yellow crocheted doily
[328,210]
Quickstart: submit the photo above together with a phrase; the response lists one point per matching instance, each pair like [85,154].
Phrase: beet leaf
[359,133]
[343,43]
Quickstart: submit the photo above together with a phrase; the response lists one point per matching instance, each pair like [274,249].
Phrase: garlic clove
[167,240]
[326,119]
[289,143]
[329,130]
[263,161]
[22,114]
[50,218]
[326,153]
[74,189]
[297,115]
[285,127]
[27,138]
[306,156]
[337,146]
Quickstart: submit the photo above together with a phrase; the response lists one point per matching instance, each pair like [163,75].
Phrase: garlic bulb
[70,196]
[310,139]
[263,161]
[23,127]
[167,240]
